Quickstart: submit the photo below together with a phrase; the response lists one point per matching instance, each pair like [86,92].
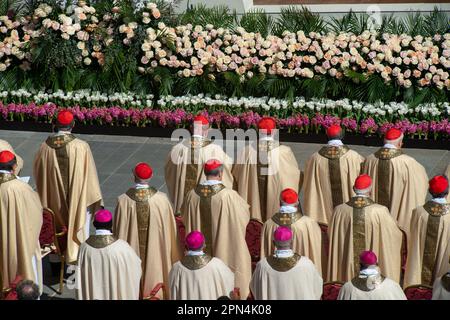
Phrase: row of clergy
[67,183]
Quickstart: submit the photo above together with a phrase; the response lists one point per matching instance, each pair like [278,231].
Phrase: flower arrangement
[119,48]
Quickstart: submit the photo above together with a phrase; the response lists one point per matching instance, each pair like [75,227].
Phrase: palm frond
[257,21]
[299,19]
[218,16]
[438,22]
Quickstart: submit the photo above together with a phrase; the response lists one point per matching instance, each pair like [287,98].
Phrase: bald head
[27,290]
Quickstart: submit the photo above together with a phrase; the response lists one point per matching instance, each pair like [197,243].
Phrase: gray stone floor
[115,156]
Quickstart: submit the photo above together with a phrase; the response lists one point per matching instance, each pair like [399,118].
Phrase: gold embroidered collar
[286,219]
[209,190]
[445,281]
[195,262]
[283,264]
[361,283]
[360,202]
[388,153]
[59,141]
[266,146]
[100,241]
[333,152]
[5,177]
[141,195]
[436,209]
[196,143]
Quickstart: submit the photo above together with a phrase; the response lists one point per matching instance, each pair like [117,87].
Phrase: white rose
[87,61]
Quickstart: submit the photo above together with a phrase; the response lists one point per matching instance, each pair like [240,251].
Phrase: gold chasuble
[306,236]
[329,177]
[261,173]
[365,288]
[20,226]
[286,278]
[108,269]
[5,146]
[429,244]
[399,182]
[67,183]
[200,278]
[184,167]
[144,218]
[360,225]
[222,216]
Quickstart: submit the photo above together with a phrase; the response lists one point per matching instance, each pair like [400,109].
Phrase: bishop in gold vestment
[429,242]
[371,284]
[199,276]
[108,268]
[222,216]
[20,226]
[144,218]
[400,182]
[263,169]
[358,225]
[329,177]
[184,165]
[67,182]
[5,146]
[306,234]
[285,275]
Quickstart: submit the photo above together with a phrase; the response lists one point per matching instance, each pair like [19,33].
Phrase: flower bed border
[159,132]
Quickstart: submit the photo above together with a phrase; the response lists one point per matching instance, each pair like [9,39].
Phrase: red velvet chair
[331,290]
[181,231]
[154,292]
[52,241]
[253,239]
[11,293]
[419,292]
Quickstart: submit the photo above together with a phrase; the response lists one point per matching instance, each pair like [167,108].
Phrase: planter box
[350,138]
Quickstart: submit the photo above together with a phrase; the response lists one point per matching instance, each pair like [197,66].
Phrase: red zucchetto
[393,134]
[267,124]
[289,196]
[368,258]
[103,216]
[334,132]
[363,182]
[438,184]
[282,234]
[211,165]
[201,119]
[65,118]
[143,171]
[6,156]
[195,240]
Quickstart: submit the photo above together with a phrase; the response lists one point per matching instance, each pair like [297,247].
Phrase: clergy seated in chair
[108,268]
[199,276]
[286,275]
[27,290]
[429,241]
[419,292]
[441,287]
[370,284]
[306,233]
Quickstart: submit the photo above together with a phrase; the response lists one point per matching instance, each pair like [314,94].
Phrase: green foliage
[257,21]
[295,19]
[219,17]
[350,22]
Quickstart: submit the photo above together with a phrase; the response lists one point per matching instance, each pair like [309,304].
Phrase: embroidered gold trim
[360,202]
[429,251]
[57,142]
[384,183]
[139,195]
[361,283]
[445,281]
[332,152]
[62,158]
[286,219]
[387,153]
[262,170]
[5,177]
[359,235]
[436,209]
[195,262]
[283,264]
[100,242]
[205,193]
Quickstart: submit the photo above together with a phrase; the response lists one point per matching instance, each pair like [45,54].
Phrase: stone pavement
[115,156]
